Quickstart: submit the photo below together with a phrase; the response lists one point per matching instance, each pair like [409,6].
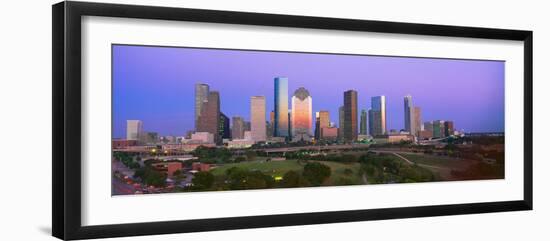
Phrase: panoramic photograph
[202,119]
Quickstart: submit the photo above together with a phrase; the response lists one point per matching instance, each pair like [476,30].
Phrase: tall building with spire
[281,125]
[301,114]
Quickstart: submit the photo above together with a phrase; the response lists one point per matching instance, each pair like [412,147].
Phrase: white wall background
[25,122]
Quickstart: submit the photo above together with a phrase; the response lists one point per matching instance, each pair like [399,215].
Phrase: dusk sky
[156,85]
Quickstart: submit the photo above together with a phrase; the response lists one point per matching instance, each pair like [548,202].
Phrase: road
[422,165]
[403,158]
[298,148]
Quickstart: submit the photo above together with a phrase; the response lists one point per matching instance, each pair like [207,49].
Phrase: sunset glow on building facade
[301,114]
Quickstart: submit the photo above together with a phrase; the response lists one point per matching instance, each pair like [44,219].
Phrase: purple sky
[156,85]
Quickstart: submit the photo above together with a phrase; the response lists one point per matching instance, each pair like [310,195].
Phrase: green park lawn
[339,175]
[434,160]
[273,168]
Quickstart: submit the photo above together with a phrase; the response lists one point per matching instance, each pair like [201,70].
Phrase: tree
[291,179]
[348,172]
[149,176]
[239,178]
[203,180]
[349,158]
[240,159]
[316,173]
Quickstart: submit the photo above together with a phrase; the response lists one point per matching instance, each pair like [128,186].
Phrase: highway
[318,148]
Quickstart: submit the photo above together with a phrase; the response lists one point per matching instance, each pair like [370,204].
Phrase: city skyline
[169,118]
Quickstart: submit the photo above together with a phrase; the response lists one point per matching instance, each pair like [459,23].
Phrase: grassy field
[339,175]
[440,165]
[433,160]
[274,168]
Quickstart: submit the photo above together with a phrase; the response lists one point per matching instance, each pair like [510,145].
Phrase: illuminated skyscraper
[363,123]
[377,116]
[210,115]
[134,130]
[271,125]
[350,115]
[281,127]
[257,118]
[201,96]
[301,114]
[416,120]
[408,105]
[289,125]
[322,120]
[237,130]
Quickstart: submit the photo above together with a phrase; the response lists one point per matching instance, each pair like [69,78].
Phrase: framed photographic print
[170,120]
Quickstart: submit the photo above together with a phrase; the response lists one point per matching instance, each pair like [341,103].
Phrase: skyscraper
[438,129]
[257,118]
[322,121]
[377,116]
[301,114]
[281,127]
[134,130]
[271,129]
[416,120]
[317,129]
[289,125]
[237,130]
[223,128]
[210,115]
[350,115]
[201,96]
[341,123]
[449,128]
[363,123]
[408,112]
[429,126]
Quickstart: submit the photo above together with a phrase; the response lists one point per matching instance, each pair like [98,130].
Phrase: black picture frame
[66,159]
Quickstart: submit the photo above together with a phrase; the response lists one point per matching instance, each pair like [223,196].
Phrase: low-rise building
[203,137]
[240,143]
[201,167]
[329,133]
[123,143]
[167,167]
[276,139]
[425,134]
[361,137]
[186,146]
[393,138]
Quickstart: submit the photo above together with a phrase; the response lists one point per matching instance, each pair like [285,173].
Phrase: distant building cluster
[213,127]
